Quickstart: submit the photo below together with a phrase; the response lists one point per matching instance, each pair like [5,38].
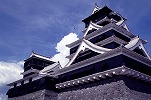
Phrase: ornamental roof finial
[96,8]
[33,53]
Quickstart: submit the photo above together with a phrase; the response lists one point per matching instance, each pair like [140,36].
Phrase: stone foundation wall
[112,91]
[38,95]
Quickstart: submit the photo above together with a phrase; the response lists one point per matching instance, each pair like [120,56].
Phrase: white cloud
[1,96]
[63,50]
[9,72]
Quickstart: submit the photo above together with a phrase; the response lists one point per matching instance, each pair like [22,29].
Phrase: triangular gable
[92,26]
[87,44]
[136,42]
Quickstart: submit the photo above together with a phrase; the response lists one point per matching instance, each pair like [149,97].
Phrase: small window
[30,80]
[22,82]
[15,85]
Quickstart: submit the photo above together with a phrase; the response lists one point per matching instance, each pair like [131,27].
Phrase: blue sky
[27,25]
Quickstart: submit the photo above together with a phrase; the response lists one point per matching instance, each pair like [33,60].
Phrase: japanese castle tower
[107,63]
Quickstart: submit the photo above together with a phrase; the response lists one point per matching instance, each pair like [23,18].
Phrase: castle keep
[108,63]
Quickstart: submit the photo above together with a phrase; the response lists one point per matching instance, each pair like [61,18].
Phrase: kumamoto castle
[108,63]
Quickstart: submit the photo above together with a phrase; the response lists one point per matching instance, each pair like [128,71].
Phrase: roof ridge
[40,56]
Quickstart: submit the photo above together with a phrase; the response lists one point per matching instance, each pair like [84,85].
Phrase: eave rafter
[123,70]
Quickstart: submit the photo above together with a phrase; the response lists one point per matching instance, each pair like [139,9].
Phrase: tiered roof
[38,74]
[130,48]
[104,29]
[84,43]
